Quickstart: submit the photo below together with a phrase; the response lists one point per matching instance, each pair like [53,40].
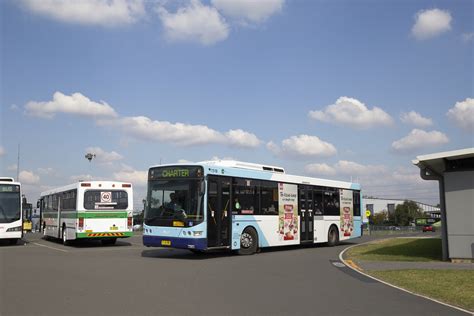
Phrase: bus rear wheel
[248,242]
[64,235]
[108,241]
[333,236]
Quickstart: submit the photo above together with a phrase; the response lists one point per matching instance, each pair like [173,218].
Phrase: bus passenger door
[306,212]
[218,212]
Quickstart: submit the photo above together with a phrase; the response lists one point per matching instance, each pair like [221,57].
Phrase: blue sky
[332,89]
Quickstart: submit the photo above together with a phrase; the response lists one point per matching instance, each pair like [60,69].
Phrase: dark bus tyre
[333,236]
[248,242]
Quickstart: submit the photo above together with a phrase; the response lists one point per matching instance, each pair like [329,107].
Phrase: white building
[377,205]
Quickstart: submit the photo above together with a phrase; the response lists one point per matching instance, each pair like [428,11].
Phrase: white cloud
[249,10]
[242,138]
[46,171]
[13,167]
[320,169]
[213,158]
[351,168]
[430,23]
[416,119]
[108,13]
[82,177]
[142,127]
[351,112]
[76,104]
[303,146]
[136,177]
[346,168]
[467,37]
[102,156]
[2,151]
[194,23]
[28,177]
[184,161]
[462,114]
[418,139]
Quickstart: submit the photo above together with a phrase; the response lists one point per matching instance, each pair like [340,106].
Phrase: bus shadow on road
[171,253]
[183,254]
[87,243]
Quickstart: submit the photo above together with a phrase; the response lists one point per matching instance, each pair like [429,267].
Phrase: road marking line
[50,247]
[353,264]
[338,264]
[394,286]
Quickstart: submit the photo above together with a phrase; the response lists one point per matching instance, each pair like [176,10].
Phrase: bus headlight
[197,233]
[14,229]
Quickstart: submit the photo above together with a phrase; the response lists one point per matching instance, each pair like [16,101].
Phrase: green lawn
[455,287]
[398,249]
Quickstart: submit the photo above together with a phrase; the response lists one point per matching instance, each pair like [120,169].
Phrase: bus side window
[246,194]
[356,198]
[318,202]
[269,198]
[331,201]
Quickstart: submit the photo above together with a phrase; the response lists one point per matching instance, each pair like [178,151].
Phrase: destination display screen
[9,188]
[175,172]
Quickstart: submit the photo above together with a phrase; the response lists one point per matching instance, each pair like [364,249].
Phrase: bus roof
[264,172]
[78,185]
[8,180]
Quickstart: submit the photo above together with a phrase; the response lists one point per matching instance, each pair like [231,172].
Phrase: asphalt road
[46,278]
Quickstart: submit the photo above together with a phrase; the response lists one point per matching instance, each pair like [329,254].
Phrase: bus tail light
[127,185]
[84,184]
[81,223]
[129,222]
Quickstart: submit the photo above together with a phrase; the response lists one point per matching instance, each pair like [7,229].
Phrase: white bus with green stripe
[88,210]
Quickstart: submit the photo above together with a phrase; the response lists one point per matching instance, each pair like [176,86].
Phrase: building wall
[459,188]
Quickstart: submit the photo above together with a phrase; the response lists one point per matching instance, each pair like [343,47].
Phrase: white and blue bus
[243,207]
[11,217]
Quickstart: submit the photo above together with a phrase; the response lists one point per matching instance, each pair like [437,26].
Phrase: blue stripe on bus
[182,243]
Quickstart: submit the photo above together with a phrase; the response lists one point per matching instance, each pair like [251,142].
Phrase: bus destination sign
[175,172]
[9,188]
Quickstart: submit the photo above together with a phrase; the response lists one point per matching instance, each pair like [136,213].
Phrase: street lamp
[89,156]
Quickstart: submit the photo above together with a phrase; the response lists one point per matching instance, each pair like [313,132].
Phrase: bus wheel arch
[333,235]
[248,241]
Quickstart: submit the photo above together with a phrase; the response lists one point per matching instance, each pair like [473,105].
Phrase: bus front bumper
[175,242]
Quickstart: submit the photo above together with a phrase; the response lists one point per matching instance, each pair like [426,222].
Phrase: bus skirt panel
[173,242]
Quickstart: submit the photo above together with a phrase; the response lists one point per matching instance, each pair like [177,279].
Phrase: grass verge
[398,249]
[455,287]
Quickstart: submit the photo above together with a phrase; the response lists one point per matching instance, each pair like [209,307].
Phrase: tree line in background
[404,215]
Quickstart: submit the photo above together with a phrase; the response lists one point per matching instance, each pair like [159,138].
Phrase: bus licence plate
[114,228]
[166,243]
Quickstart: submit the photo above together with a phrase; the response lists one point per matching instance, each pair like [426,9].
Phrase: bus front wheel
[333,236]
[248,242]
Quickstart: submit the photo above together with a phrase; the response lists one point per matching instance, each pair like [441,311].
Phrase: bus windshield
[9,203]
[176,199]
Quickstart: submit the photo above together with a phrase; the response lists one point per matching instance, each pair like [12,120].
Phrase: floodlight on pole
[89,156]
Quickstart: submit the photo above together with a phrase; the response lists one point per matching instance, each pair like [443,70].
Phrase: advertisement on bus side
[347,212]
[288,211]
